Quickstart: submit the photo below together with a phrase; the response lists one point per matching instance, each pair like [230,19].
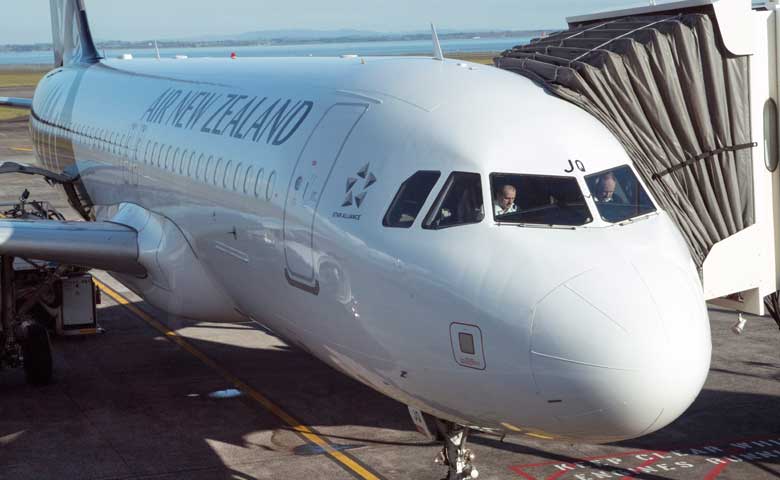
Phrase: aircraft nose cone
[620,351]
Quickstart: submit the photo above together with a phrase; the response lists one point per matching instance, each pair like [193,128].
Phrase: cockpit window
[619,195]
[538,200]
[459,203]
[410,199]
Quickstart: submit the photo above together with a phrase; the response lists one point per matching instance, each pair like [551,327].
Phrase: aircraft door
[309,178]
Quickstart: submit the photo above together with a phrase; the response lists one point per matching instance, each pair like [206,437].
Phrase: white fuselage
[237,174]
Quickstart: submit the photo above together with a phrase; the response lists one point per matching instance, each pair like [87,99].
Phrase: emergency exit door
[309,178]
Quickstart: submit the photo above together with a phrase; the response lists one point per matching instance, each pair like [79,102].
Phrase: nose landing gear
[454,454]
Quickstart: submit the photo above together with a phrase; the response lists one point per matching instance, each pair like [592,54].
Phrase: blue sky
[27,21]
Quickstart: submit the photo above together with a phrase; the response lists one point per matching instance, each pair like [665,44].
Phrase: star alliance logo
[354,198]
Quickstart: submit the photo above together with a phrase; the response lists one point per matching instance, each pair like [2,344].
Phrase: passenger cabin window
[248,177]
[618,194]
[226,178]
[237,176]
[259,182]
[410,199]
[538,200]
[200,174]
[459,202]
[219,173]
[182,159]
[270,186]
[210,172]
[191,165]
[164,158]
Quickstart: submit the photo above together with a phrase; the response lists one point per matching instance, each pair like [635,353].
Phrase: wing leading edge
[104,245]
[14,102]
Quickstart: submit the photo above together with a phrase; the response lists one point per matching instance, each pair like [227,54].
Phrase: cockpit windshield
[618,194]
[538,200]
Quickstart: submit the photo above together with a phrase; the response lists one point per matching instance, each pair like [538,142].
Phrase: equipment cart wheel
[36,352]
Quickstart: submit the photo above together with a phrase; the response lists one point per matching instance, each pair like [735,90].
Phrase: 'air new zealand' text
[259,119]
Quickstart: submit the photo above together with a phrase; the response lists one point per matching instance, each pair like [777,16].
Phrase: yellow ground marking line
[535,434]
[258,397]
[21,149]
[539,435]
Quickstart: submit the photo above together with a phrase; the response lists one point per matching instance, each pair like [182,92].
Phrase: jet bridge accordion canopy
[677,101]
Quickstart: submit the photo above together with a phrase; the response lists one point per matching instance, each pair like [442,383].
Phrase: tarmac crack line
[348,462]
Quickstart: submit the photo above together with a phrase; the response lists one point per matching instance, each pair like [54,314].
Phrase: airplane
[352,206]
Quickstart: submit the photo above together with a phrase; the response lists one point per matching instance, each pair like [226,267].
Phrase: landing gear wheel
[455,455]
[36,353]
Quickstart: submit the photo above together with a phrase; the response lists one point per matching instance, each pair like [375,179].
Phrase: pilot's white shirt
[500,211]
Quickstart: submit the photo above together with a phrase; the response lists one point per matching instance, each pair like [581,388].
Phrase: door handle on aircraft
[314,290]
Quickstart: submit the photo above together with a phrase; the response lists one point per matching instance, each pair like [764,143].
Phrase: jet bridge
[690,89]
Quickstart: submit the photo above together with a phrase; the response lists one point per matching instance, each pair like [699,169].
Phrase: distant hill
[305,34]
[285,34]
[293,35]
[290,37]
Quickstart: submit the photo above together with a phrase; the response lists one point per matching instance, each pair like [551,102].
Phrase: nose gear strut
[454,454]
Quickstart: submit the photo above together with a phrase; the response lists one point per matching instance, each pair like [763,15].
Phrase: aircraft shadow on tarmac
[148,406]
[143,406]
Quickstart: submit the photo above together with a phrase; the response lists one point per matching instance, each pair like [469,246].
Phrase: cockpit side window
[618,194]
[410,199]
[538,200]
[459,202]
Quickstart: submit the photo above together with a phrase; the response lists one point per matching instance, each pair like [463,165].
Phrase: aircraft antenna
[437,53]
[156,49]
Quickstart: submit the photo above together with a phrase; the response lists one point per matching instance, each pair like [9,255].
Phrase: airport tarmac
[156,397]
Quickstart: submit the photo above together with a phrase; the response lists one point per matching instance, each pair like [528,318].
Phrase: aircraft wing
[103,245]
[16,102]
[14,167]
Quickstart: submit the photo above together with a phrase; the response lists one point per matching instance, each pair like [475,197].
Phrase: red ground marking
[519,469]
[647,463]
[572,460]
[718,469]
[714,473]
[522,473]
[557,475]
[643,464]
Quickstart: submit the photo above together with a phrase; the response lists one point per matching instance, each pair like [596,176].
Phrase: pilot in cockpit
[505,201]
[605,188]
